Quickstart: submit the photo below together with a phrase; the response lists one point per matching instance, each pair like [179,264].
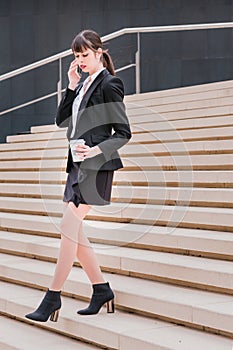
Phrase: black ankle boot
[49,306]
[102,294]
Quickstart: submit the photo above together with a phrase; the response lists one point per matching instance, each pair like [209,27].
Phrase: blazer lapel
[78,88]
[91,89]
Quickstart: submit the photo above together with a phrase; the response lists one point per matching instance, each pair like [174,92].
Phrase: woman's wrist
[72,86]
[97,150]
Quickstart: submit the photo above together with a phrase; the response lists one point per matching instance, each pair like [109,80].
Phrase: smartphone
[79,70]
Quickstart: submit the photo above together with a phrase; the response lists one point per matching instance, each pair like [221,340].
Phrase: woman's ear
[99,53]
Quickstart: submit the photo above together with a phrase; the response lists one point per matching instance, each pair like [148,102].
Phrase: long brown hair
[88,39]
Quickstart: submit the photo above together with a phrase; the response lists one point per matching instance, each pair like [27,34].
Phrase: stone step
[151,214]
[156,98]
[124,331]
[213,133]
[33,176]
[150,122]
[226,110]
[147,115]
[217,244]
[178,106]
[191,271]
[182,162]
[16,335]
[25,165]
[173,129]
[55,134]
[219,197]
[213,178]
[182,304]
[182,114]
[32,190]
[173,162]
[36,154]
[31,145]
[224,88]
[158,149]
[156,121]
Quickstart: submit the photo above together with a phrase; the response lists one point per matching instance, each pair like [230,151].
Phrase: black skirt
[88,186]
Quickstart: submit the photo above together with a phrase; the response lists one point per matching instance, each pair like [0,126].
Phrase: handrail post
[137,62]
[59,83]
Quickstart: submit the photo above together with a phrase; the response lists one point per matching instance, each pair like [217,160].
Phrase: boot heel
[110,306]
[54,315]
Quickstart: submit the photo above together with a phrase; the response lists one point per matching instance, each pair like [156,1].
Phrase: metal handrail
[136,30]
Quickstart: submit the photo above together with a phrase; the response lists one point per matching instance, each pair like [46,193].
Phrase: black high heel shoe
[49,307]
[102,293]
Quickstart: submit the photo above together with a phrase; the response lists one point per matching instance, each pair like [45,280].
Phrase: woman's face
[88,60]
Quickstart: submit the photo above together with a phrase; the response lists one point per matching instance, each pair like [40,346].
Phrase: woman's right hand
[73,75]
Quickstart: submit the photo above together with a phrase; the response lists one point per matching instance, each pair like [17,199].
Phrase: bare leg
[102,292]
[70,224]
[88,259]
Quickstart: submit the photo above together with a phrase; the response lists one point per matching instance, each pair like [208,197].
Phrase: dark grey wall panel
[34,29]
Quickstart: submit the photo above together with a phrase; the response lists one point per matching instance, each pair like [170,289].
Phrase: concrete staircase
[165,243]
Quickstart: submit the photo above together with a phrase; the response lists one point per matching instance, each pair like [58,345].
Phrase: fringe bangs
[80,44]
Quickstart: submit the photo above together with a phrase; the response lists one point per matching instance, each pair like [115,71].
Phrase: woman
[93,111]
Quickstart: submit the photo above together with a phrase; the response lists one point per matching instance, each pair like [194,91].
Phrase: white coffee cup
[73,146]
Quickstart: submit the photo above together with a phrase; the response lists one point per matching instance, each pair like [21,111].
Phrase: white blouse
[78,99]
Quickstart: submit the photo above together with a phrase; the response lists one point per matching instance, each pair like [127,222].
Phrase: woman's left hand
[85,151]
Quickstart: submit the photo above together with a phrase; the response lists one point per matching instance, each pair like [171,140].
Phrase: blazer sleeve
[64,110]
[113,92]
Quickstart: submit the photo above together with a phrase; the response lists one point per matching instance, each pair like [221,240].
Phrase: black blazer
[101,121]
